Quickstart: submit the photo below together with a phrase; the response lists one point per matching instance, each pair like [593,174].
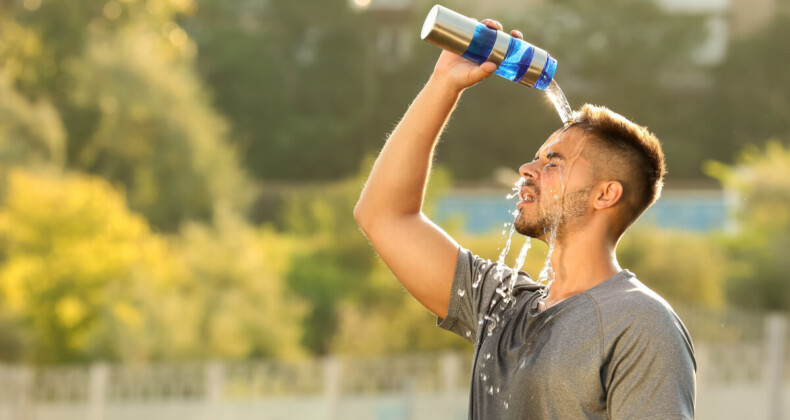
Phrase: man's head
[601,167]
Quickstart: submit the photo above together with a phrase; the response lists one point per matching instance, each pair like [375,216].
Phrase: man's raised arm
[389,211]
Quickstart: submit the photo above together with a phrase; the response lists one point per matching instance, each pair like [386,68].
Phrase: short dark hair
[638,159]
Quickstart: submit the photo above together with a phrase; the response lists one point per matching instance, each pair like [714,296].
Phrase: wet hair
[628,153]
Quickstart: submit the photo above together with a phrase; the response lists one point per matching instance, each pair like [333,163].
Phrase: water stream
[554,203]
[560,102]
[546,276]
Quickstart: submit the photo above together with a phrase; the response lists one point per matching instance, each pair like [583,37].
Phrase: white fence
[743,373]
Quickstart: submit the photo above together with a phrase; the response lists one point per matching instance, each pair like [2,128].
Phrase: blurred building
[484,210]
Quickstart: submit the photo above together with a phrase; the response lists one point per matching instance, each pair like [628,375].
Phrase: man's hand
[458,73]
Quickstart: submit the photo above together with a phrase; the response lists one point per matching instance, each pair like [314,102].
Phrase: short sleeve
[474,285]
[651,370]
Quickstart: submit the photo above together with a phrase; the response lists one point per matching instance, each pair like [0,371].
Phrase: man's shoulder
[628,300]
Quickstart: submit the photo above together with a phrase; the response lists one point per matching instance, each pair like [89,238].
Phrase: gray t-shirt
[615,351]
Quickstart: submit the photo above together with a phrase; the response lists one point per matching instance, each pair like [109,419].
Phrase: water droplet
[461,292]
[477,283]
[491,390]
[506,405]
[488,356]
[497,390]
[468,333]
[484,377]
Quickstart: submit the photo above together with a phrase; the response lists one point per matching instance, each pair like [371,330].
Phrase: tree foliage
[77,266]
[760,182]
[119,75]
[31,133]
[236,302]
[84,278]
[291,77]
[338,273]
[683,267]
[155,133]
[750,101]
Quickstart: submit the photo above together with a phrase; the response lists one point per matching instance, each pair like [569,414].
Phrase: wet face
[556,187]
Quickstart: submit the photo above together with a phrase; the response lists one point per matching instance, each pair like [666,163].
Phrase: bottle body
[516,59]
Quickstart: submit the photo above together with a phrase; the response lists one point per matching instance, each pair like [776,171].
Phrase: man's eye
[551,165]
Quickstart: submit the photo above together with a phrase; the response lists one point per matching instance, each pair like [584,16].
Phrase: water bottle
[516,59]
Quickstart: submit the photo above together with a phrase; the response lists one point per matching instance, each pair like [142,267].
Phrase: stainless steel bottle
[516,59]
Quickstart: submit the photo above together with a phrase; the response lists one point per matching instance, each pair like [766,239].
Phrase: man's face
[556,187]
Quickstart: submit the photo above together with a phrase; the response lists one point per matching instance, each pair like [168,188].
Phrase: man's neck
[580,264]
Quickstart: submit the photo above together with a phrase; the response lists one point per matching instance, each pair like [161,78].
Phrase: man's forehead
[564,139]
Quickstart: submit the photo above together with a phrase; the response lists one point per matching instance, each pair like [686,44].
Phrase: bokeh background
[177,179]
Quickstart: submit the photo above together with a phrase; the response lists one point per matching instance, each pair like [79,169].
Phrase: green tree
[337,272]
[31,133]
[156,134]
[750,100]
[302,80]
[291,77]
[77,266]
[336,262]
[683,267]
[120,76]
[235,301]
[84,278]
[760,181]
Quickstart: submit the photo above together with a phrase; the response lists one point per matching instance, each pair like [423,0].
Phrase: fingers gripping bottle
[516,59]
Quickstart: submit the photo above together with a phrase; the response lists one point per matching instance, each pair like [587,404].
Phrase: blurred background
[177,179]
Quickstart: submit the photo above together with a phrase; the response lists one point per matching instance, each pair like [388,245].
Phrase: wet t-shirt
[615,351]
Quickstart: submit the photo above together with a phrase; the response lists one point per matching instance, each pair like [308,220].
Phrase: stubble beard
[557,218]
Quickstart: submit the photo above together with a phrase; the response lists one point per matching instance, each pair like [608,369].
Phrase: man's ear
[607,194]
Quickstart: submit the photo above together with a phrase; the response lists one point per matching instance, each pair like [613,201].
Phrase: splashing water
[522,256]
[505,289]
[500,263]
[516,189]
[547,275]
[560,102]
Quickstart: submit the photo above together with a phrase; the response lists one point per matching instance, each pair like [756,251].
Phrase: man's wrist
[443,85]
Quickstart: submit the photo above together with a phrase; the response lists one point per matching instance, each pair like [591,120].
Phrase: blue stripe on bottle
[482,44]
[547,74]
[517,59]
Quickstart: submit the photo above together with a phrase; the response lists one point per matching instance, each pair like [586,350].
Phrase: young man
[599,344]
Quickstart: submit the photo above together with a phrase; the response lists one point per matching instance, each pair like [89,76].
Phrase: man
[598,344]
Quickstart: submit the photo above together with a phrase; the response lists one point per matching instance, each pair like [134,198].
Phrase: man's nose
[527,170]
